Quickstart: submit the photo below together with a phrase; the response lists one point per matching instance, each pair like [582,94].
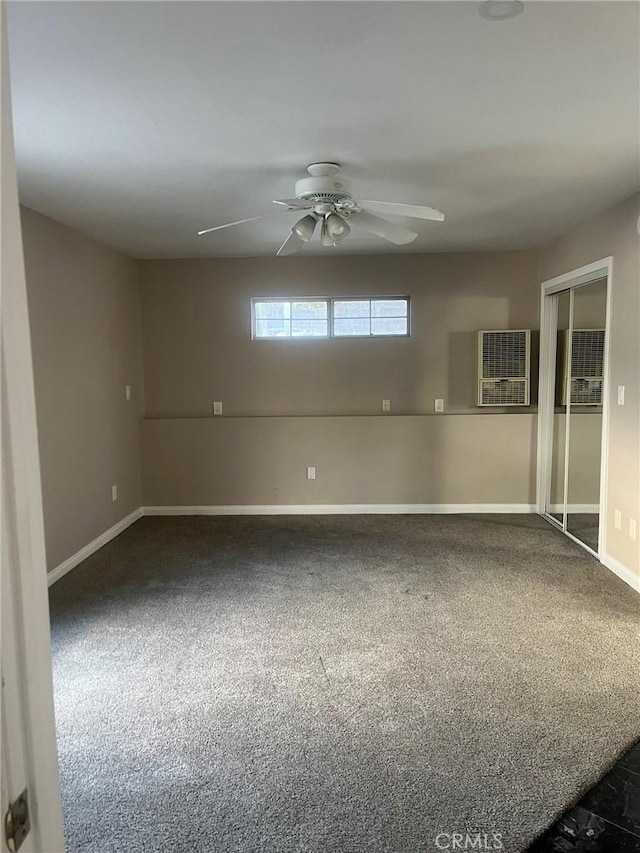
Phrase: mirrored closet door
[574,449]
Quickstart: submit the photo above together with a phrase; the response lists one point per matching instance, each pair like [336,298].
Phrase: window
[290,318]
[370,317]
[277,319]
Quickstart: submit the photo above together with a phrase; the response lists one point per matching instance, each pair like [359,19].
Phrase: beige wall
[198,347]
[449,459]
[615,233]
[85,328]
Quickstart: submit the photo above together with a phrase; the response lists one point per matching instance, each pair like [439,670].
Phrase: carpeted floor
[337,684]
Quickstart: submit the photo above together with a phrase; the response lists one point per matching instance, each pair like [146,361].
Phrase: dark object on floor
[606,820]
[336,684]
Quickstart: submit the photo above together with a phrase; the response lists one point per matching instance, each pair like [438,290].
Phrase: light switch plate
[633,528]
[127,392]
[217,408]
[617,520]
[114,493]
[621,395]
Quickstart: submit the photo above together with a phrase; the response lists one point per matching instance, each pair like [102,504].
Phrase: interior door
[577,370]
[555,504]
[586,396]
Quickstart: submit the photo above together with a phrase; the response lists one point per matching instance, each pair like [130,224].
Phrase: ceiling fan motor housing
[324,185]
[323,189]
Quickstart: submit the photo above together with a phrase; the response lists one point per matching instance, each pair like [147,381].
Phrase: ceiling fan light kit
[337,227]
[305,227]
[329,198]
[325,239]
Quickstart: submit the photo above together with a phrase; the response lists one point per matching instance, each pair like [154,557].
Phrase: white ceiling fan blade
[417,211]
[230,224]
[383,228]
[295,203]
[292,244]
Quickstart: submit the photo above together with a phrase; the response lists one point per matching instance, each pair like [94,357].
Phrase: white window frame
[292,300]
[330,300]
[370,299]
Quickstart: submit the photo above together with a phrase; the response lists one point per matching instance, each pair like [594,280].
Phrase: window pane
[352,327]
[389,326]
[309,328]
[272,309]
[389,308]
[273,328]
[351,308]
[314,310]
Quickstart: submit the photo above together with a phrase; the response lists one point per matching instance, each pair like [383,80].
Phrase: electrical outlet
[311,473]
[617,520]
[633,528]
[386,405]
[439,405]
[114,493]
[621,395]
[217,408]
[127,392]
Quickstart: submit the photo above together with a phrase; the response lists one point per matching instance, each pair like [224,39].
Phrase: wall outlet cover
[633,528]
[114,493]
[386,405]
[311,473]
[127,392]
[217,408]
[439,405]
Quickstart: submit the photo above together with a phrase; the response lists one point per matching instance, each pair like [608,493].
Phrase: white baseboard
[587,509]
[339,509]
[92,547]
[622,571]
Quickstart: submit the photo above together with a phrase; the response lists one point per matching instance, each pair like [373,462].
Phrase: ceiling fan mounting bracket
[323,170]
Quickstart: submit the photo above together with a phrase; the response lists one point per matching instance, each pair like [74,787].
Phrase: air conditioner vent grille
[503,367]
[584,382]
[504,392]
[586,392]
[504,354]
[587,352]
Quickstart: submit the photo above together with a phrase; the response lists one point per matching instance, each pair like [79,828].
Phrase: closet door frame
[602,269]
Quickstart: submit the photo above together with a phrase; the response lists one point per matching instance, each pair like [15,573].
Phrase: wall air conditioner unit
[503,367]
[587,366]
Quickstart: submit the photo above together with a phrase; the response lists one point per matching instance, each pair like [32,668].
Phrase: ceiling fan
[328,198]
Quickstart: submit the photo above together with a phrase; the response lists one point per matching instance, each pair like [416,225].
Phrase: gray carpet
[356,684]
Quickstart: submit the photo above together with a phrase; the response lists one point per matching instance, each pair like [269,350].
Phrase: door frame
[546,388]
[29,756]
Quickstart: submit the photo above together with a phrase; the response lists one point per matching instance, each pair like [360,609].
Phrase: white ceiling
[142,122]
